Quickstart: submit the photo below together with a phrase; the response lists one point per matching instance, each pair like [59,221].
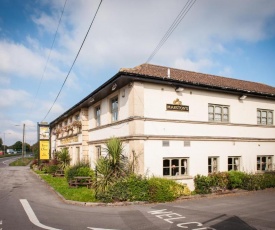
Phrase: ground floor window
[264,163]
[98,151]
[175,166]
[233,163]
[212,164]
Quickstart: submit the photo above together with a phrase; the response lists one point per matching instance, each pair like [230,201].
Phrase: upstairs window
[264,117]
[218,113]
[97,115]
[114,109]
[76,117]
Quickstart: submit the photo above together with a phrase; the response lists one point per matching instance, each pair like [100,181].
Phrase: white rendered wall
[198,154]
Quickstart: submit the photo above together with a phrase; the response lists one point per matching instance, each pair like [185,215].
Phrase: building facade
[175,123]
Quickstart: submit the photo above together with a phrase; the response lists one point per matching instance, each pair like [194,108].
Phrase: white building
[178,123]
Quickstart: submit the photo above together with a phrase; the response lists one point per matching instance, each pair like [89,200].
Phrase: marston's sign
[177,106]
[183,108]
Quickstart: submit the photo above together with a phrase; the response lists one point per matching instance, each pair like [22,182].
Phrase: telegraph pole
[23,142]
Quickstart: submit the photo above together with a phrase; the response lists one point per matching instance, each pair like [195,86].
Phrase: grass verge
[21,161]
[61,185]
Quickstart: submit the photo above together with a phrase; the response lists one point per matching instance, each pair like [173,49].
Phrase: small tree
[64,158]
[111,167]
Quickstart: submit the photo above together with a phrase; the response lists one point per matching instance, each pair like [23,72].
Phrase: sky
[226,38]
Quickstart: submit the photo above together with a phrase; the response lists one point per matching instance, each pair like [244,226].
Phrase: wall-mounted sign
[69,140]
[177,106]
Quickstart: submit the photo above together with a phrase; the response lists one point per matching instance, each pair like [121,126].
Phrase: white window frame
[235,163]
[216,116]
[213,164]
[264,163]
[264,117]
[177,166]
[97,115]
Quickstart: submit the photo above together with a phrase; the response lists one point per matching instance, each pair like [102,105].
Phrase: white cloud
[11,98]
[4,80]
[193,65]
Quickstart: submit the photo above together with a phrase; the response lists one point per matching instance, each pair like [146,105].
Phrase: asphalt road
[26,201]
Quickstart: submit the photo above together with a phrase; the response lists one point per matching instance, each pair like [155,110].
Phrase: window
[97,115]
[76,117]
[114,109]
[212,164]
[98,151]
[264,163]
[175,166]
[264,117]
[218,113]
[233,163]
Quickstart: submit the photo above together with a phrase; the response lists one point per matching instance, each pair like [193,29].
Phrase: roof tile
[200,79]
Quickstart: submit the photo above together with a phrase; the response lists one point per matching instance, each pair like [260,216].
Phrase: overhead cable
[174,25]
[42,77]
[73,61]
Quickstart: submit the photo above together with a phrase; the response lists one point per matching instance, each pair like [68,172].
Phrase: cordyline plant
[63,158]
[111,167]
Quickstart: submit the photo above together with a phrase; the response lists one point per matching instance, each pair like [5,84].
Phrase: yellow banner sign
[44,150]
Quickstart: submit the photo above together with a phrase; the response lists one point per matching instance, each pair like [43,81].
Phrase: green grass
[22,161]
[61,185]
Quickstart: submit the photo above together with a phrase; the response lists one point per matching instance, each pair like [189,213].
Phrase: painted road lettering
[170,217]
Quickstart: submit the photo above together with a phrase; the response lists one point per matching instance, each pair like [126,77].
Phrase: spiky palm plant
[111,167]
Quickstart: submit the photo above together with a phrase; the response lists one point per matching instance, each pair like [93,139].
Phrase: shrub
[130,188]
[269,180]
[236,179]
[252,182]
[202,184]
[219,180]
[50,168]
[64,158]
[161,190]
[79,169]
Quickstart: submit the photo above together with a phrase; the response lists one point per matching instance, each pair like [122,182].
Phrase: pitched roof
[195,78]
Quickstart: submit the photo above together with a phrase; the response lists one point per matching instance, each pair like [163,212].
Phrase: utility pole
[4,146]
[23,142]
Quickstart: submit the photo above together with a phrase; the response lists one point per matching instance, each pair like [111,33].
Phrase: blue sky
[227,38]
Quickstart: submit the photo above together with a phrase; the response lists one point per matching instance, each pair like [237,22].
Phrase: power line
[73,61]
[46,65]
[174,25]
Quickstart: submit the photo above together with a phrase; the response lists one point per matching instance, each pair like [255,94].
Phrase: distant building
[179,123]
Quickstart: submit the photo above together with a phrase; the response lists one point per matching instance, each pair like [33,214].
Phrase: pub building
[176,123]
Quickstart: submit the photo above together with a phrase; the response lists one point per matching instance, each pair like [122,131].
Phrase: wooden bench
[81,181]
[59,173]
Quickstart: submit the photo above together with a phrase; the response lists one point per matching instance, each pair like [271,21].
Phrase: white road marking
[99,228]
[32,215]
